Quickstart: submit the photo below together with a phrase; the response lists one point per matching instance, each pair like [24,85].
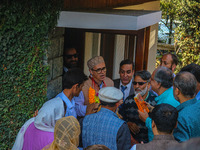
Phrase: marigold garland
[141,103]
[92,96]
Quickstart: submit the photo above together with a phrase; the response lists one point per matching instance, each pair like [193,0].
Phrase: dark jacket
[117,83]
[160,142]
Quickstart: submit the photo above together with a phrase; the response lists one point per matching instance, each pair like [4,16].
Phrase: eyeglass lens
[140,83]
[70,56]
[99,70]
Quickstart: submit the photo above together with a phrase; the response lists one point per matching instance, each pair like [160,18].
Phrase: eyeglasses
[140,83]
[70,56]
[99,70]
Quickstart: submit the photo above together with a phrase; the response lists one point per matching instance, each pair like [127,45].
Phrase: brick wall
[54,59]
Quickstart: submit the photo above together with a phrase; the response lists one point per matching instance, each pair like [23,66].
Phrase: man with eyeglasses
[70,59]
[161,82]
[70,62]
[126,72]
[129,110]
[97,78]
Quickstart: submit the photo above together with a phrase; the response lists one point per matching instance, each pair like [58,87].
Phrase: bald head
[186,83]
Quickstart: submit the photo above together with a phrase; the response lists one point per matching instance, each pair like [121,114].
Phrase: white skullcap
[110,94]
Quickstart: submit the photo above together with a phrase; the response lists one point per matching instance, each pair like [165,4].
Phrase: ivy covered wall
[24,29]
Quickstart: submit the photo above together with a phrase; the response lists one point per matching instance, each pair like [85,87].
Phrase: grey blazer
[160,142]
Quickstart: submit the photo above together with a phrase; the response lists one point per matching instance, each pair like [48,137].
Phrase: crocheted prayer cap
[110,94]
[95,61]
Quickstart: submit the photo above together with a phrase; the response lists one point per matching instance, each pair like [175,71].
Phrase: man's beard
[142,92]
[71,64]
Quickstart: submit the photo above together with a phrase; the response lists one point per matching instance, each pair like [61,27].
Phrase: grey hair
[186,83]
[164,76]
[145,75]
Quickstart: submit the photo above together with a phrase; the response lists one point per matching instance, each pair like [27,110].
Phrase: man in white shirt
[126,72]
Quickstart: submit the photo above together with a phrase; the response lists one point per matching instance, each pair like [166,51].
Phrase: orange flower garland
[92,96]
[141,103]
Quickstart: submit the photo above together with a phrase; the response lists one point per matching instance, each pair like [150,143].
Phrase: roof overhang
[109,19]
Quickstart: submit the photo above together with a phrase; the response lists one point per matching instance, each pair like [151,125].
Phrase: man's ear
[90,71]
[153,124]
[158,84]
[119,103]
[177,91]
[75,86]
[173,67]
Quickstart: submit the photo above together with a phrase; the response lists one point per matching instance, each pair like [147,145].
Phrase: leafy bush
[24,28]
[188,33]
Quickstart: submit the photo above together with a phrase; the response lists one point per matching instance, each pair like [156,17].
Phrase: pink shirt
[35,139]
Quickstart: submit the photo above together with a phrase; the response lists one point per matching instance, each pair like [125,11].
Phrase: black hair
[164,76]
[174,58]
[127,61]
[145,75]
[194,69]
[72,77]
[107,104]
[165,117]
[186,83]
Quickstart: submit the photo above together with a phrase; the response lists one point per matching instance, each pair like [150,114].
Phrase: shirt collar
[163,95]
[100,86]
[163,137]
[185,104]
[65,69]
[70,104]
[128,85]
[108,111]
[146,97]
[198,96]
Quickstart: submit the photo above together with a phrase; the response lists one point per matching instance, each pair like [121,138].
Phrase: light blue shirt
[166,97]
[133,147]
[70,111]
[198,96]
[79,105]
[65,69]
[127,90]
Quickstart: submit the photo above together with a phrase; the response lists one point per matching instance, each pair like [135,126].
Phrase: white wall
[118,54]
[92,48]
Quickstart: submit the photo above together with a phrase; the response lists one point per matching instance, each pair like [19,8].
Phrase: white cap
[110,94]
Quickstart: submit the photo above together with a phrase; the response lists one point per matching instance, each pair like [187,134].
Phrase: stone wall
[54,59]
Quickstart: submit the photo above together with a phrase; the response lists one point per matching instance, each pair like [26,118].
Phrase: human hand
[120,102]
[149,107]
[143,115]
[92,108]
[133,127]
